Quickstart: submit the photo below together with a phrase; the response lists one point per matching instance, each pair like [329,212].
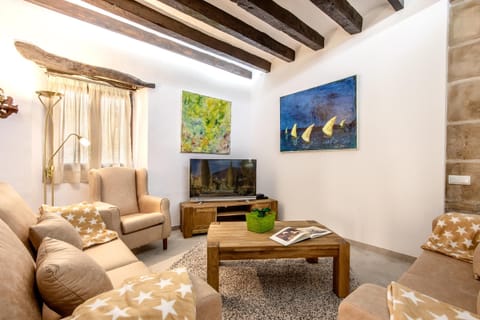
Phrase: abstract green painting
[206,124]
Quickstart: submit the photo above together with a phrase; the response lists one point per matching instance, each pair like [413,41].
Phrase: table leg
[341,271]
[213,263]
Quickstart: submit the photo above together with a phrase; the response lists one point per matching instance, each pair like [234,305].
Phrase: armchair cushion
[118,187]
[138,221]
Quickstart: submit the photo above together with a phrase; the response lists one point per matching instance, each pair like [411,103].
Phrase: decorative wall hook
[6,105]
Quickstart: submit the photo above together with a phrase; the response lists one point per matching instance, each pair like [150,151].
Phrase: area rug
[271,289]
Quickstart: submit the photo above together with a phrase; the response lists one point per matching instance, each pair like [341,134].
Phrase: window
[100,113]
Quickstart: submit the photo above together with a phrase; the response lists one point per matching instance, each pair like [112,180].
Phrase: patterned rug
[271,289]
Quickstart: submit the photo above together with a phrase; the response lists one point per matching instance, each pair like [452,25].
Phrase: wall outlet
[465,180]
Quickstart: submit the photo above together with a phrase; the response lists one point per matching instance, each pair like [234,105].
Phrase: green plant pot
[262,224]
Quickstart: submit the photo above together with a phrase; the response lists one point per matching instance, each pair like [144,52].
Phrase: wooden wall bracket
[6,105]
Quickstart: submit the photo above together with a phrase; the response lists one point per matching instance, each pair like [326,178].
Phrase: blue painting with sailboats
[320,118]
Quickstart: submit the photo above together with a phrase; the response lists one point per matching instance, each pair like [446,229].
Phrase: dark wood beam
[397,4]
[100,20]
[159,22]
[342,13]
[66,66]
[282,19]
[229,24]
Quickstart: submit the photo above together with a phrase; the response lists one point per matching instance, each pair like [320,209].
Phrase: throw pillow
[54,226]
[67,277]
[86,219]
[166,295]
[455,235]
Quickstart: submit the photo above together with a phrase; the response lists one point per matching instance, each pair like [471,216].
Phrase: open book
[290,235]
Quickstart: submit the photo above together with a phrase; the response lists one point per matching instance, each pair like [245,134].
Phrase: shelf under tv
[195,217]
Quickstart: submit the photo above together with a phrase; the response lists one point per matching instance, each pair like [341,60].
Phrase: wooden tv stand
[195,216]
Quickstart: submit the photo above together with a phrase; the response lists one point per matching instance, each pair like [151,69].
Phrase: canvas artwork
[320,118]
[205,124]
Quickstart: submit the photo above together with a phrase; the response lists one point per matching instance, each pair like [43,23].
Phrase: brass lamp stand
[49,100]
[50,168]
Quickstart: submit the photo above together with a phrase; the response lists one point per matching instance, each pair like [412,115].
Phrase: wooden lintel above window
[342,13]
[62,65]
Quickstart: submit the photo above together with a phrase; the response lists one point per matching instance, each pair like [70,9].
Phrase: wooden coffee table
[232,241]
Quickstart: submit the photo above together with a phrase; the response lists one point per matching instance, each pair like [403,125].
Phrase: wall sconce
[49,171]
[6,105]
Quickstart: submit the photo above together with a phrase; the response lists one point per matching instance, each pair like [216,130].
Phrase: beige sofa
[439,276]
[20,298]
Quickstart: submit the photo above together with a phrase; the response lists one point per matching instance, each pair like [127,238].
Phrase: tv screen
[223,179]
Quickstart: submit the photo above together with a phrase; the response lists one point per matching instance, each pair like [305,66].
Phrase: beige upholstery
[20,298]
[442,277]
[141,218]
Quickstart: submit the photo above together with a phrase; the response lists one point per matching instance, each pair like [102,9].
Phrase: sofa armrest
[150,203]
[110,215]
[367,302]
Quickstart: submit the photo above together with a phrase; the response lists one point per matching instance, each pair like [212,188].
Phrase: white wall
[22,133]
[386,192]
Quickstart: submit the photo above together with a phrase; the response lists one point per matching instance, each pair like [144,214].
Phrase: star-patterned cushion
[405,303]
[167,296]
[455,235]
[86,219]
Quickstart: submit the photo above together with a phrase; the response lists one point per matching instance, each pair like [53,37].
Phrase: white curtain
[140,128]
[97,112]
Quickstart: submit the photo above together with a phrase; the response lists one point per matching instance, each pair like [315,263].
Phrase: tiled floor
[369,264]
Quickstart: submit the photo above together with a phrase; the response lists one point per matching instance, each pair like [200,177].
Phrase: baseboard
[383,251]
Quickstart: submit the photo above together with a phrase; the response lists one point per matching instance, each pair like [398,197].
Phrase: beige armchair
[140,218]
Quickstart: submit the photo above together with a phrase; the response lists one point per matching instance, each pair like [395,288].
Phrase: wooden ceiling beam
[397,4]
[280,18]
[342,13]
[159,22]
[100,20]
[229,24]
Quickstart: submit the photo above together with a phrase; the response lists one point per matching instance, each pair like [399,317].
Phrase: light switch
[452,179]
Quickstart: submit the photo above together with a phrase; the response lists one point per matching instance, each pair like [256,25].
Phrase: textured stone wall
[463,110]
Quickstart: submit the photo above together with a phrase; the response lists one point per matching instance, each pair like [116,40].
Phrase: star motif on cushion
[435,237]
[166,307]
[93,221]
[441,223]
[447,234]
[464,315]
[98,303]
[143,296]
[69,217]
[75,208]
[82,219]
[86,210]
[117,313]
[411,295]
[454,220]
[89,230]
[184,289]
[78,229]
[126,287]
[453,244]
[468,243]
[468,218]
[475,227]
[437,317]
[164,282]
[145,278]
[461,230]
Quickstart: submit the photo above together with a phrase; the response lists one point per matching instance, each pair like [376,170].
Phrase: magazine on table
[290,235]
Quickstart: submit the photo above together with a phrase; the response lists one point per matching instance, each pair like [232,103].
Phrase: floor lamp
[50,168]
[49,99]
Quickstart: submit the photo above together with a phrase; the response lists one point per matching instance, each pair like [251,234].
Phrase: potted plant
[260,220]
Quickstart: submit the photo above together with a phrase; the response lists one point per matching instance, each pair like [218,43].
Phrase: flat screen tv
[223,179]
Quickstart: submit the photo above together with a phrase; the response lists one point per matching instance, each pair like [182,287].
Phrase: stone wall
[463,110]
